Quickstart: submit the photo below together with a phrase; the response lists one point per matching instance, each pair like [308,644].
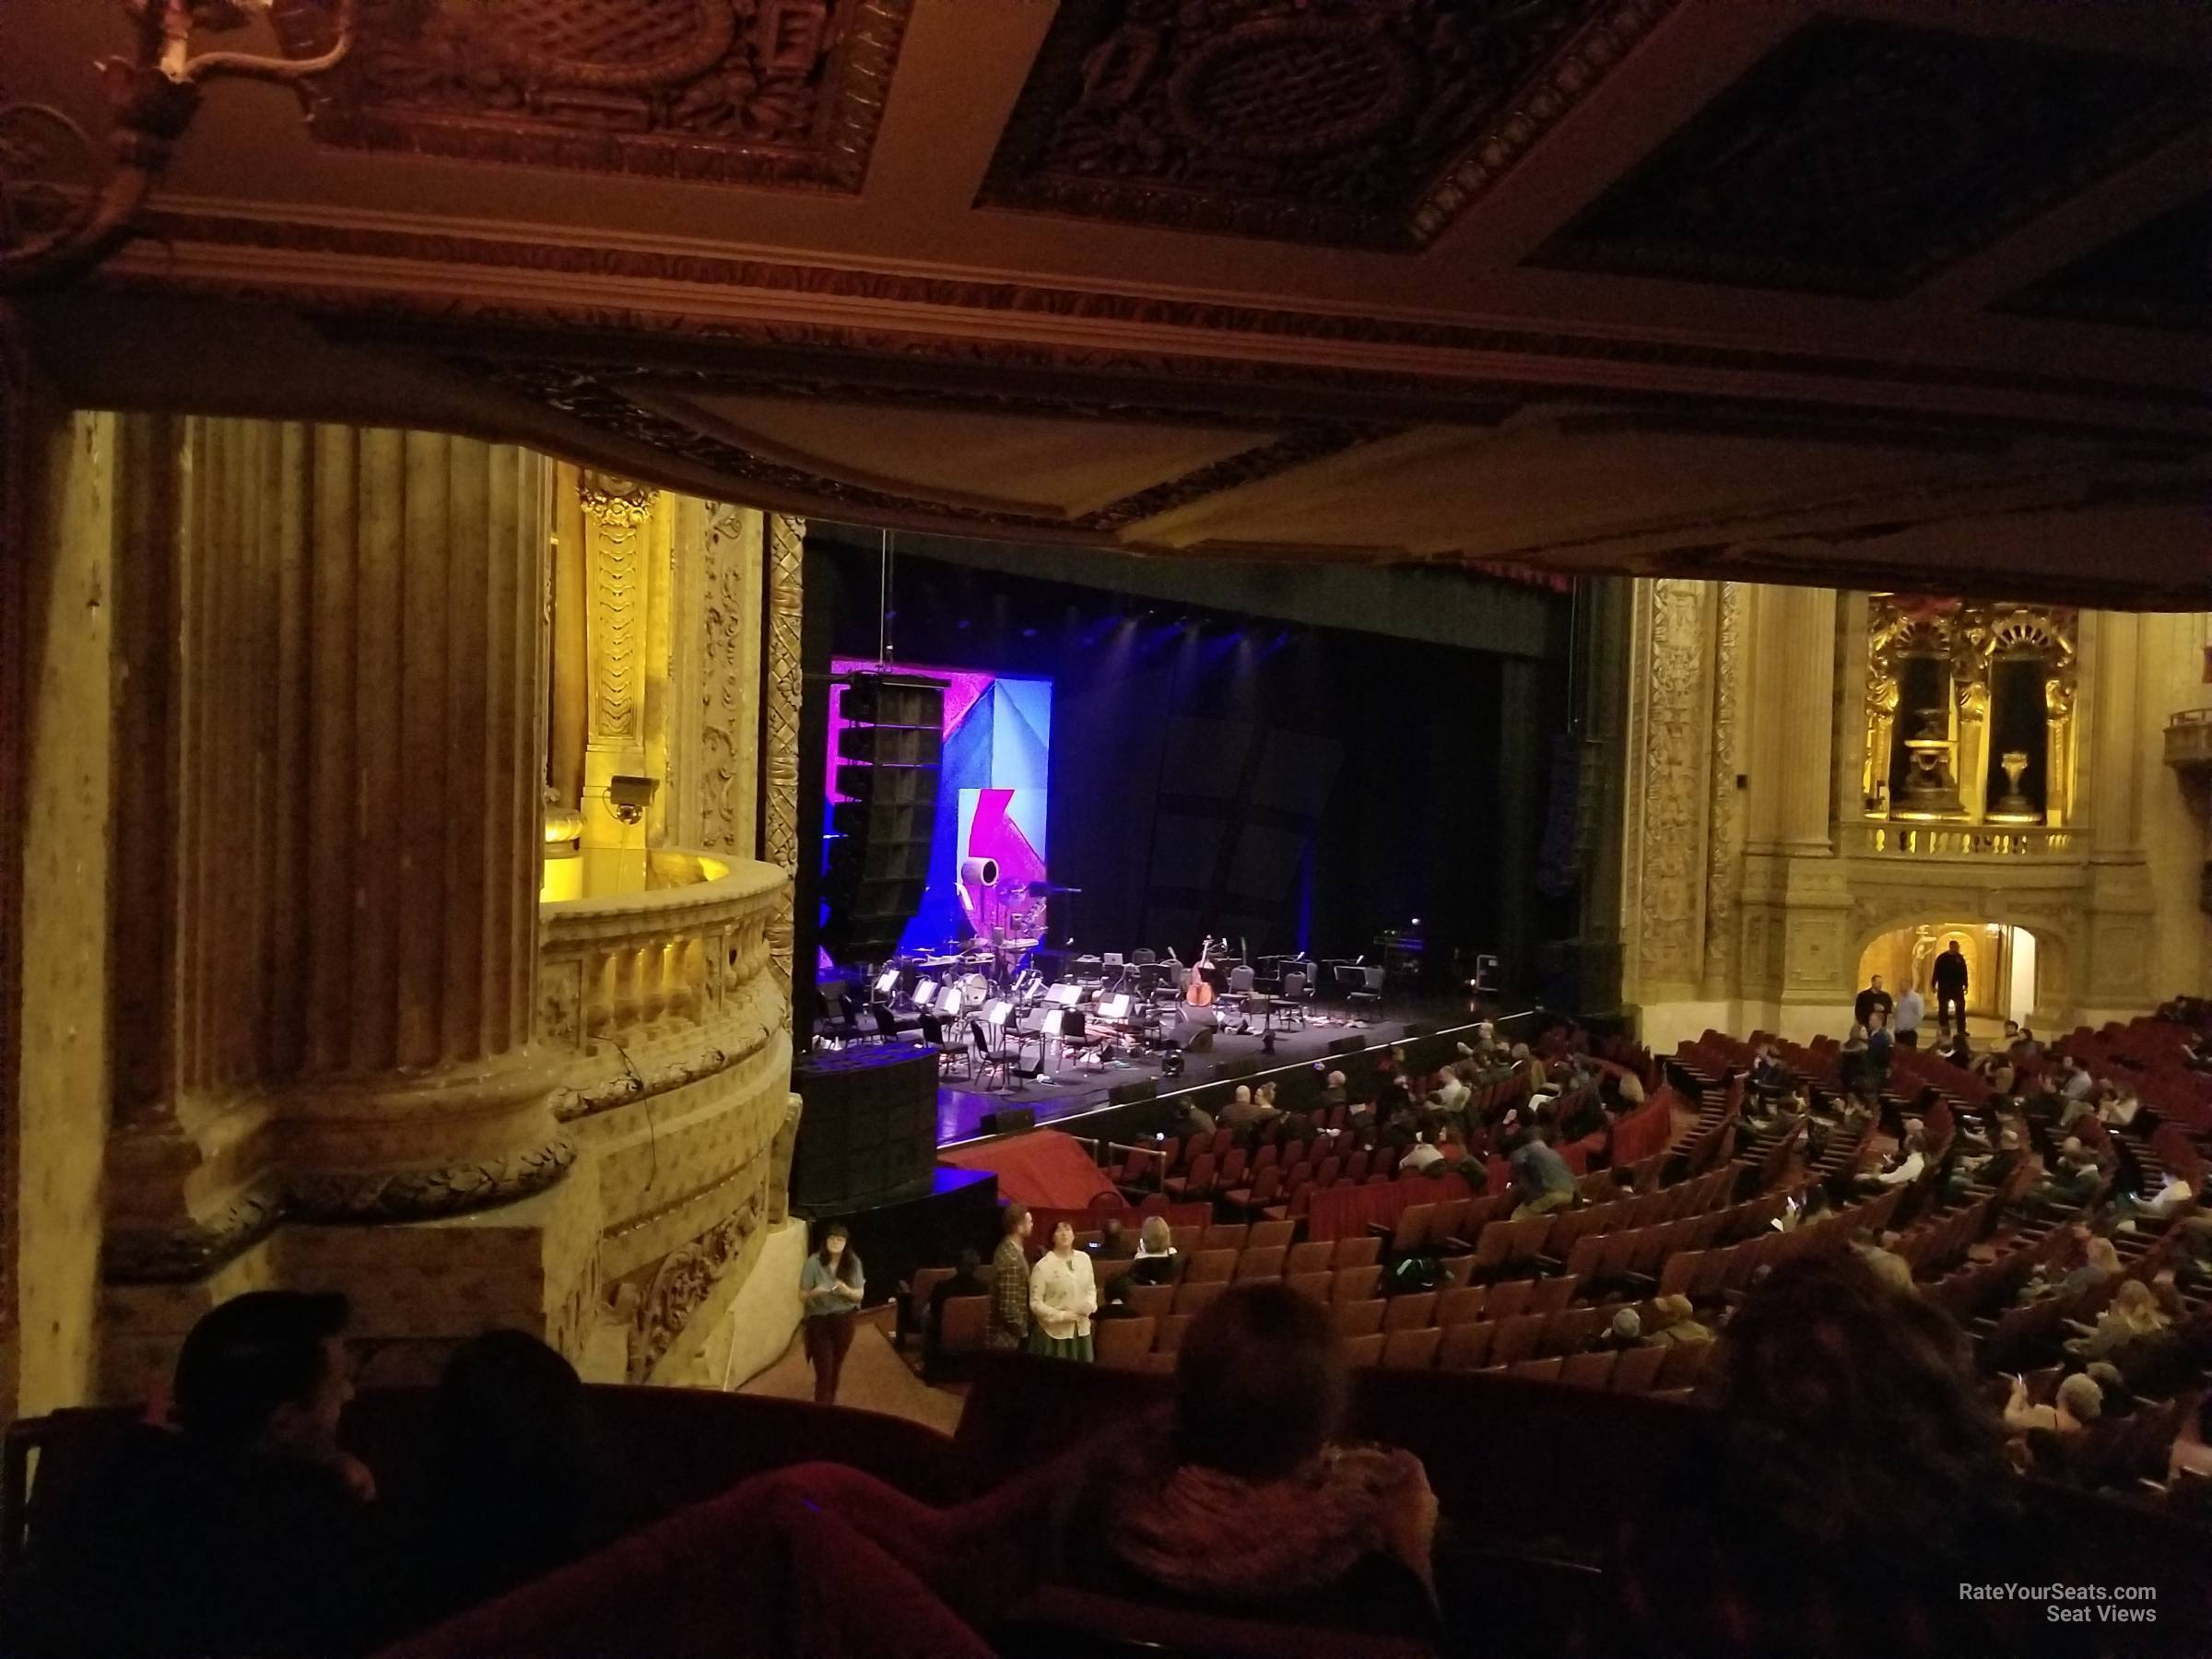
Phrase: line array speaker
[875,846]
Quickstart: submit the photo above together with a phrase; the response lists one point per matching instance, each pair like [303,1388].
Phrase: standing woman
[830,1289]
[1062,1297]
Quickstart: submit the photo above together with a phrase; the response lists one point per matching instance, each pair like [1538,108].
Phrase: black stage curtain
[1277,784]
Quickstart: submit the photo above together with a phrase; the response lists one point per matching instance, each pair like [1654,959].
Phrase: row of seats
[1538,1346]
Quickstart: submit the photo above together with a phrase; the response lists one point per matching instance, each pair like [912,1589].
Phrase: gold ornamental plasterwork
[1970,637]
[725,746]
[1673,746]
[783,682]
[616,510]
[1724,859]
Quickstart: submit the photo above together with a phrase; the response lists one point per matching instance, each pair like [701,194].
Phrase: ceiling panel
[1859,157]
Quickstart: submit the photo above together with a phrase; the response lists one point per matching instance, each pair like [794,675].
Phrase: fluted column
[406,981]
[327,836]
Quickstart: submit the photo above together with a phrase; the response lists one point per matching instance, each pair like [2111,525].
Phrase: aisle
[875,1379]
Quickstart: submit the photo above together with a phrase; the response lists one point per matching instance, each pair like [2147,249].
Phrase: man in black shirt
[1872,1000]
[1950,986]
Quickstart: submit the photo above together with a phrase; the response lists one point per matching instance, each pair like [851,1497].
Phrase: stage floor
[961,1107]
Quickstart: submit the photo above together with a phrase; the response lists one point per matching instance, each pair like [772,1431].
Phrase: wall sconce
[52,165]
[628,797]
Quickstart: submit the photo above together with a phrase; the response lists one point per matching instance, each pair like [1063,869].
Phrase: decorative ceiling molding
[471,286]
[1368,124]
[665,426]
[1859,157]
[783,93]
[2157,276]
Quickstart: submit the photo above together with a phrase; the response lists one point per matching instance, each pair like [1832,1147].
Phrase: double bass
[1197,991]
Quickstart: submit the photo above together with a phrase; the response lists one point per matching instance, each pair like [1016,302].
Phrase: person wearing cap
[238,1527]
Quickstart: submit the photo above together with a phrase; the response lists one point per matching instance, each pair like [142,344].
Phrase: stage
[961,1107]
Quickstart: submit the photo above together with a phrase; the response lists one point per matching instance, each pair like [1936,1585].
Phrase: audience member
[830,1288]
[1113,1240]
[1541,1177]
[1910,1010]
[2132,1316]
[2078,1402]
[518,1487]
[1062,1295]
[1246,1502]
[1156,1263]
[1873,1000]
[243,1530]
[967,1280]
[1850,1482]
[1009,1323]
[1950,977]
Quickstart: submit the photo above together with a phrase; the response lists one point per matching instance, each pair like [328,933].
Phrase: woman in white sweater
[1062,1297]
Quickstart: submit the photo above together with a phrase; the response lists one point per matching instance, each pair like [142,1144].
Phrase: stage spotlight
[1170,1064]
[1267,1042]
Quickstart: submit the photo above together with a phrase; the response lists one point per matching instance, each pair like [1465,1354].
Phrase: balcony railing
[1959,840]
[2189,740]
[651,989]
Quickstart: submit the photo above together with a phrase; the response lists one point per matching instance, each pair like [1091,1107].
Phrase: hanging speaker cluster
[875,846]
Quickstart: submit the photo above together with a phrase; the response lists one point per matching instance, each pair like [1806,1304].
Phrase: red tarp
[1044,1169]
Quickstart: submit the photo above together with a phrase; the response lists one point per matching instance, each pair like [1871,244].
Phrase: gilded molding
[617,511]
[725,748]
[1723,832]
[783,685]
[1673,785]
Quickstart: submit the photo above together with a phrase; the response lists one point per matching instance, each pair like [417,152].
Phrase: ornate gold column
[731,692]
[326,848]
[626,533]
[1725,813]
[1670,757]
[781,689]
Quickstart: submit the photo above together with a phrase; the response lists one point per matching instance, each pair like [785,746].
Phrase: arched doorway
[2001,965]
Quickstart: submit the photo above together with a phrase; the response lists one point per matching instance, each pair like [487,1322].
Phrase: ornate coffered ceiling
[1368,123]
[1857,158]
[1831,290]
[768,92]
[2159,274]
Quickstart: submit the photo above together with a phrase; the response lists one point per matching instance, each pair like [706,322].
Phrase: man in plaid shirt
[1009,1326]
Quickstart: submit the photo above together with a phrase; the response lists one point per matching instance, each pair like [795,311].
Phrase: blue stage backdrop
[992,803]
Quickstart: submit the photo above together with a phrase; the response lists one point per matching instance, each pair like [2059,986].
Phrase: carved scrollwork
[56,217]
[682,1282]
[783,683]
[417,1195]
[171,1255]
[747,91]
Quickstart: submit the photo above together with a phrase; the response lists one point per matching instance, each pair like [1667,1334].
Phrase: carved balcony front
[1877,839]
[653,989]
